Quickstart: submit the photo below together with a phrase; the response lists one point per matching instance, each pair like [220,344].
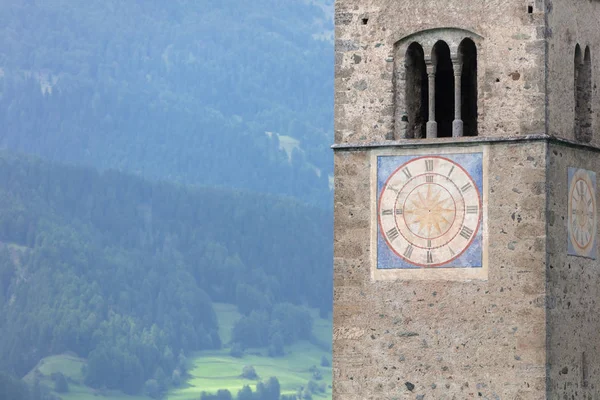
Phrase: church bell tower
[467,144]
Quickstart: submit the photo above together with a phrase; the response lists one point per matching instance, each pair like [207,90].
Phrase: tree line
[123,271]
[269,390]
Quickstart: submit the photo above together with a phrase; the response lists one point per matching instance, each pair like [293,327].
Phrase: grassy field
[287,144]
[213,370]
[227,316]
[217,370]
[67,364]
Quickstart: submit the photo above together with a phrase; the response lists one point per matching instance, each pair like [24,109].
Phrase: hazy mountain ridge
[194,85]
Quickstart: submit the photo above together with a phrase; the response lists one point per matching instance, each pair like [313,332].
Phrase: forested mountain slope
[182,90]
[123,272]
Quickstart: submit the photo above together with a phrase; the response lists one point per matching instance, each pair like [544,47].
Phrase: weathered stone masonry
[519,80]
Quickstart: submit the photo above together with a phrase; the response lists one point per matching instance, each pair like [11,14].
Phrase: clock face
[429,212]
[582,213]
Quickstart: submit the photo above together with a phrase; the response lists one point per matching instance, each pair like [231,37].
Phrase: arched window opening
[583,95]
[586,120]
[577,86]
[444,89]
[467,53]
[416,91]
[435,84]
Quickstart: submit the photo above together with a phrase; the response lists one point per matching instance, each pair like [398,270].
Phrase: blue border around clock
[472,257]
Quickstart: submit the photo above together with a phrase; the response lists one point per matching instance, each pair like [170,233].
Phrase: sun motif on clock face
[429,214]
[582,221]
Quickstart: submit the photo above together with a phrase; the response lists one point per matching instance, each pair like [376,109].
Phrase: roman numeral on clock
[407,173]
[387,212]
[429,257]
[466,232]
[466,187]
[409,250]
[472,209]
[392,234]
[451,171]
[429,165]
[399,211]
[429,179]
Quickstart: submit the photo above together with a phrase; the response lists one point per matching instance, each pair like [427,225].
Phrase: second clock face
[429,211]
[582,213]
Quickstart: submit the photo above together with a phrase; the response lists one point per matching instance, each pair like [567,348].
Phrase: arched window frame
[453,37]
[582,82]
[468,61]
[443,119]
[416,92]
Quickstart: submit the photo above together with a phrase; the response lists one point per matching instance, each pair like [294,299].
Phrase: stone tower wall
[571,22]
[530,330]
[511,60]
[573,286]
[451,339]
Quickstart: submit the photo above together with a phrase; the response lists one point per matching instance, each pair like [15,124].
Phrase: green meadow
[217,370]
[213,370]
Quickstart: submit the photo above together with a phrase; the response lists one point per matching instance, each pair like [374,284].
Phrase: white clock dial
[582,213]
[429,211]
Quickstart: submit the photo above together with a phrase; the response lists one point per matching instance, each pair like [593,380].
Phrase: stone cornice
[463,141]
